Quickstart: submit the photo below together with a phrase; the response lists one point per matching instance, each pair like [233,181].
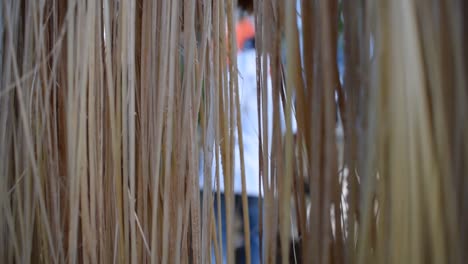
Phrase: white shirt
[248,103]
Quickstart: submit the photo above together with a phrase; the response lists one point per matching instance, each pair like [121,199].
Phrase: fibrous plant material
[396,196]
[101,105]
[107,105]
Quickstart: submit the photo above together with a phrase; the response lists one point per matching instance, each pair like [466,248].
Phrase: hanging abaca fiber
[108,106]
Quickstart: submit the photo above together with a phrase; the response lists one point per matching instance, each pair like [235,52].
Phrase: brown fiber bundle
[106,104]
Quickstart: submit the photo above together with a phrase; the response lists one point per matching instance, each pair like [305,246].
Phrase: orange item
[244,30]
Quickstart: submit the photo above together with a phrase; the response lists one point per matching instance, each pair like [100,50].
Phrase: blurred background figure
[245,39]
[246,63]
[245,36]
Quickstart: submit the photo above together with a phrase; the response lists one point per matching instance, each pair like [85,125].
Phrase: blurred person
[245,36]
[246,62]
